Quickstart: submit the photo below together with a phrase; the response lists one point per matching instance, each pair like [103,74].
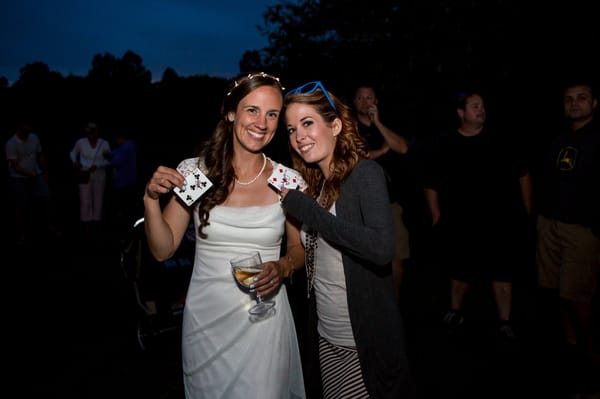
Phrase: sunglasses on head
[309,88]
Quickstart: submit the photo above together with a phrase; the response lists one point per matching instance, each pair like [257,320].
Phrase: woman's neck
[249,169]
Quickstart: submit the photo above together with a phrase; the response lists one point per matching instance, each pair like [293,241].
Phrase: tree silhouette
[37,76]
[127,71]
[423,43]
[421,52]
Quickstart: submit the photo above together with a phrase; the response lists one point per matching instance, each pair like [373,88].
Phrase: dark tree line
[420,51]
[167,118]
[424,51]
[410,42]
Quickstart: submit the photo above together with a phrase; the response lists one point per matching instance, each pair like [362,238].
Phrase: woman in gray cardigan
[355,336]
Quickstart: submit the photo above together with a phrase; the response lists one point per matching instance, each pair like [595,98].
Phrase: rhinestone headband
[252,76]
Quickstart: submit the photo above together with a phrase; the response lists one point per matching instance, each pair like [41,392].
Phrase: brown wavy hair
[350,146]
[216,153]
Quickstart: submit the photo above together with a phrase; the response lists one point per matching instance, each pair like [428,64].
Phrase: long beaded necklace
[312,236]
[247,183]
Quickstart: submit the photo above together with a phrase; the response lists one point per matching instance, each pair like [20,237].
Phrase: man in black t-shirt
[568,209]
[479,197]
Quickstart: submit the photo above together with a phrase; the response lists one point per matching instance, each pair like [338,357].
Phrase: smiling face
[310,135]
[255,119]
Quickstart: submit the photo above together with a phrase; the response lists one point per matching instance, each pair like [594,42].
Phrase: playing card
[292,180]
[196,184]
[285,177]
[277,177]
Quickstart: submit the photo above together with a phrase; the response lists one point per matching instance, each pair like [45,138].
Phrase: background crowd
[519,301]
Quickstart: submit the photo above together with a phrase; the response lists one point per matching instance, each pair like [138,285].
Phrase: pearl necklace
[247,183]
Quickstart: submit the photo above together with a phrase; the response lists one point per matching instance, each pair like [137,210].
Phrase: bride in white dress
[225,354]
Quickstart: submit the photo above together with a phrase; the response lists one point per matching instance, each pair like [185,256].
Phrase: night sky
[194,37]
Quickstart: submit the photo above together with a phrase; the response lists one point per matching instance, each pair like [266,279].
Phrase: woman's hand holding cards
[163,180]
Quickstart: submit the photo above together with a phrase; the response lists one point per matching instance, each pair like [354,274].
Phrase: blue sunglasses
[309,88]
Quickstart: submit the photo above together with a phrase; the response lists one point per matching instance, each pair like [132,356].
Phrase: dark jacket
[363,230]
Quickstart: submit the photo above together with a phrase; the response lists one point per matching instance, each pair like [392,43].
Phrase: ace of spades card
[196,184]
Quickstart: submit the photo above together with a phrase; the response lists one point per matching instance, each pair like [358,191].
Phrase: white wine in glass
[245,268]
[245,275]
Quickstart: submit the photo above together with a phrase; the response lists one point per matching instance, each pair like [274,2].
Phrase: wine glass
[244,268]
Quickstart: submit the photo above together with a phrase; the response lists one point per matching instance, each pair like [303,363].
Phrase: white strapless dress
[225,355]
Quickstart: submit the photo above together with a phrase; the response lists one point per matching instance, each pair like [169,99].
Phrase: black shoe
[452,319]
[506,331]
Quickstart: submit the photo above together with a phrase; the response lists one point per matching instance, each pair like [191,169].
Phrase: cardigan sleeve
[362,225]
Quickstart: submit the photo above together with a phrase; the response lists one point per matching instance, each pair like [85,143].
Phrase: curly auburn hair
[350,146]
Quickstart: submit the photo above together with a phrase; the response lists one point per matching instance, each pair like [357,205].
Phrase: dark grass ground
[73,317]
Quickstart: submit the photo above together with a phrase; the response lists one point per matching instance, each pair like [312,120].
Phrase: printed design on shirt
[566,158]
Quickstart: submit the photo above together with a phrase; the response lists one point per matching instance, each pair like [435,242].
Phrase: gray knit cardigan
[363,231]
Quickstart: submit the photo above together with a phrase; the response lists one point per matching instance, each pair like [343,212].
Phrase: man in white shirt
[28,181]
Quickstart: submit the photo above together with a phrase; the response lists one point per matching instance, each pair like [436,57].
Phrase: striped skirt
[340,372]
